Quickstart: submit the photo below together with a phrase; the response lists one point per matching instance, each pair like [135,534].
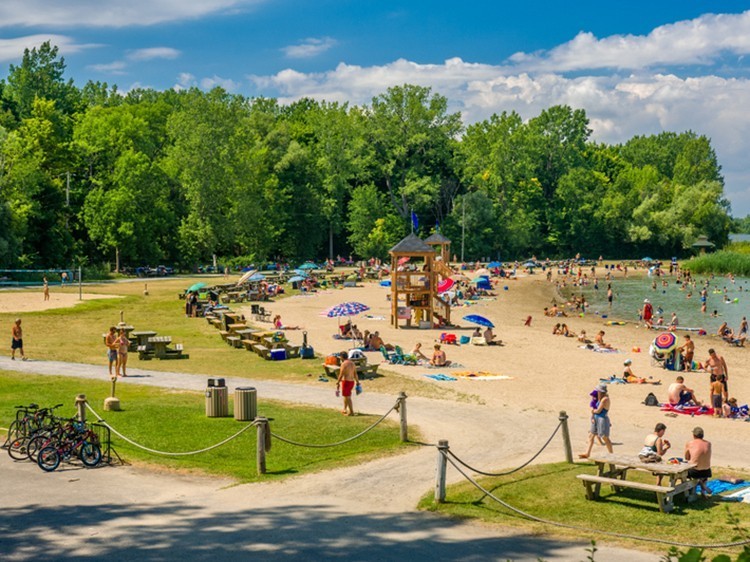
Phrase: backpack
[651,400]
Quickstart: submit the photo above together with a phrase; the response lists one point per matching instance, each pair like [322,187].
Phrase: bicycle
[30,421]
[75,438]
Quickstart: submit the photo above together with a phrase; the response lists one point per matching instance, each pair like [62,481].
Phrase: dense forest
[91,175]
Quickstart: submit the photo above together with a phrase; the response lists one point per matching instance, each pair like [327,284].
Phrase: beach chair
[389,356]
[402,358]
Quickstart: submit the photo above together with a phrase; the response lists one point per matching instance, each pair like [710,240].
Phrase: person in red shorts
[345,384]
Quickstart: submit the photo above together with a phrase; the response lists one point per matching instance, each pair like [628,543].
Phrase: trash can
[245,403]
[217,401]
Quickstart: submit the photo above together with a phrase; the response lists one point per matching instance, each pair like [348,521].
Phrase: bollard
[262,427]
[442,463]
[402,417]
[81,407]
[566,437]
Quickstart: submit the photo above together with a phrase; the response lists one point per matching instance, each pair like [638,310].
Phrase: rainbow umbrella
[665,342]
[445,285]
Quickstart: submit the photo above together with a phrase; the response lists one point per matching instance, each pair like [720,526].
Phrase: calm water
[629,294]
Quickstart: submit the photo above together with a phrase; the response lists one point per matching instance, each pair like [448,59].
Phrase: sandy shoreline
[32,300]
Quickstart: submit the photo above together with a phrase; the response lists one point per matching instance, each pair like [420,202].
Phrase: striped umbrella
[445,285]
[665,342]
[345,309]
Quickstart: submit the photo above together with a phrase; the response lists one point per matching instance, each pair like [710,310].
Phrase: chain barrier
[360,434]
[487,493]
[524,465]
[167,453]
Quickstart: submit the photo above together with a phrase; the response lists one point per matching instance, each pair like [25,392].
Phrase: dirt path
[361,513]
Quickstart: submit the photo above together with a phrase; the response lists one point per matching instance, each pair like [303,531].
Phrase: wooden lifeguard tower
[414,288]
[442,246]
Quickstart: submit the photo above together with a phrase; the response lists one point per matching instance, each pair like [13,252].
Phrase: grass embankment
[75,334]
[552,492]
[175,421]
[735,259]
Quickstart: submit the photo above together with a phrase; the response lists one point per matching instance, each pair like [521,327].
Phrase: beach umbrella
[459,277]
[665,342]
[530,264]
[494,264]
[402,261]
[483,271]
[308,265]
[301,272]
[480,279]
[247,275]
[345,309]
[257,277]
[477,319]
[646,259]
[196,287]
[296,279]
[445,285]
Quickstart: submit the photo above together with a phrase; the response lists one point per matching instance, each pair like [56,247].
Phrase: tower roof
[412,244]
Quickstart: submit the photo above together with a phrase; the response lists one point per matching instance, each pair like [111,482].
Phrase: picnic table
[245,333]
[236,326]
[160,344]
[142,337]
[613,470]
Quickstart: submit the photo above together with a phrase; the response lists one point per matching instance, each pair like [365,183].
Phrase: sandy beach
[32,300]
[548,373]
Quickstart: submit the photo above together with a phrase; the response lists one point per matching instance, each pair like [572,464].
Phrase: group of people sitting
[727,334]
[563,330]
[488,336]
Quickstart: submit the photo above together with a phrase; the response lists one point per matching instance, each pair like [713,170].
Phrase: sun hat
[628,362]
[602,388]
[645,300]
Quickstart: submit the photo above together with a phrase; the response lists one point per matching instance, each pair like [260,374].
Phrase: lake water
[629,294]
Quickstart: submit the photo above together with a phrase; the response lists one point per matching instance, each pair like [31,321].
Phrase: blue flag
[437,225]
[414,221]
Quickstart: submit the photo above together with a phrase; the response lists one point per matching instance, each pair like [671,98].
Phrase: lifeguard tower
[414,285]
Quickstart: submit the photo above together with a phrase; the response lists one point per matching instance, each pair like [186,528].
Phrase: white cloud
[228,84]
[111,13]
[115,67]
[12,49]
[309,48]
[184,80]
[153,53]
[691,42]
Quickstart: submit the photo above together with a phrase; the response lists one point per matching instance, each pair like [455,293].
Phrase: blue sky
[635,67]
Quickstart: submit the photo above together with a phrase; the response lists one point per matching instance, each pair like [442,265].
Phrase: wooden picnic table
[160,344]
[613,470]
[143,336]
[258,335]
[245,333]
[364,370]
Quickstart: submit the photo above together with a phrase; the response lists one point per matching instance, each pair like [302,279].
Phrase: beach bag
[651,400]
[332,360]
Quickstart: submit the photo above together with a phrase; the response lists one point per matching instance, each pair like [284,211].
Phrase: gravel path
[358,513]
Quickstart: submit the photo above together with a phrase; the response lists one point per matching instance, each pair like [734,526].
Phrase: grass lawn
[75,334]
[174,421]
[552,492]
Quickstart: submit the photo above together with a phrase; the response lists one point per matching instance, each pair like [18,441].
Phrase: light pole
[463,226]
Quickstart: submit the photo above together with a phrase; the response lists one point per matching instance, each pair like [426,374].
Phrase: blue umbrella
[308,265]
[647,259]
[345,309]
[481,320]
[301,272]
[196,287]
[257,277]
[296,279]
[530,264]
[494,264]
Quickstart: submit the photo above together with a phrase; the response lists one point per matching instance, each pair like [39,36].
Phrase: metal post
[402,417]
[81,407]
[80,285]
[566,437]
[262,427]
[463,226]
[442,463]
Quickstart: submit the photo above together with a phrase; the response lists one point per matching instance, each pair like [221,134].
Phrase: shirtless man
[699,451]
[688,351]
[489,337]
[16,341]
[716,365]
[681,395]
[112,346]
[346,382]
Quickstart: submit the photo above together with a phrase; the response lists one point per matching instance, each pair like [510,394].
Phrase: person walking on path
[112,348]
[346,382]
[17,340]
[600,423]
[45,288]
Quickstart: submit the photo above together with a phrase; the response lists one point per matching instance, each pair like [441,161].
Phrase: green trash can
[217,402]
[245,403]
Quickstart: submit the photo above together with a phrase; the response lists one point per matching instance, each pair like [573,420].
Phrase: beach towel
[718,486]
[441,377]
[481,375]
[594,347]
[688,410]
[741,495]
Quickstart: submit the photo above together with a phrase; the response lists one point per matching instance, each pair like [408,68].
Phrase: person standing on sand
[17,340]
[648,313]
[45,288]
[600,424]
[688,351]
[346,382]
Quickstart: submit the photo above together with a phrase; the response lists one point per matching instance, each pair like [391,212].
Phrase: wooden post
[566,437]
[404,434]
[262,427]
[442,463]
[81,407]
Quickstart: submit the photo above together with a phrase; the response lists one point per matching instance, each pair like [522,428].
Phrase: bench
[224,334]
[144,353]
[248,344]
[234,341]
[292,351]
[262,351]
[218,324]
[664,494]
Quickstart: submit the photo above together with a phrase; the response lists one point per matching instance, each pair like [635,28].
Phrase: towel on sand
[441,377]
[688,410]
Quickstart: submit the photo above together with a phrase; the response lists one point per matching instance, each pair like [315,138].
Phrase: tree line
[91,175]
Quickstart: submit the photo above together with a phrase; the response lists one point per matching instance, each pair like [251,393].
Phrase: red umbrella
[402,261]
[445,285]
